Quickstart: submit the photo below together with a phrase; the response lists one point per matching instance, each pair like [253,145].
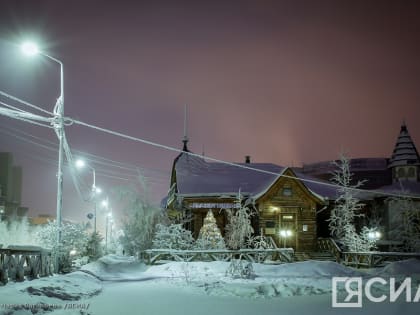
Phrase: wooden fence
[362,259]
[282,255]
[18,262]
[374,259]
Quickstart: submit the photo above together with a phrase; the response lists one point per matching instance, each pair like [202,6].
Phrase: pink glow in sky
[287,82]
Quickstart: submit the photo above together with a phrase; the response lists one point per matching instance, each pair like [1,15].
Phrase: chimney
[247,159]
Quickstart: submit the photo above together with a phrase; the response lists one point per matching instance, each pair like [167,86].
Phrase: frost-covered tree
[94,248]
[74,238]
[172,236]
[209,236]
[346,209]
[239,227]
[18,232]
[139,223]
[404,223]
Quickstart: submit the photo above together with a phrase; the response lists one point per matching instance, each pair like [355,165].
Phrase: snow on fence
[16,262]
[374,259]
[362,259]
[153,256]
[329,245]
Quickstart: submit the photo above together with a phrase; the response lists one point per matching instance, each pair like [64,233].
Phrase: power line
[95,159]
[25,102]
[102,172]
[166,147]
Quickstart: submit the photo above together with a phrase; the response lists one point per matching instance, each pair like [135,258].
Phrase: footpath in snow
[121,285]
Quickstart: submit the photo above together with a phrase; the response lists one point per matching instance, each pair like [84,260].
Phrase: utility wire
[100,171]
[22,115]
[25,103]
[166,147]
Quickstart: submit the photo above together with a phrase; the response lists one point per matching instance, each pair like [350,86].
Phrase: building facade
[292,205]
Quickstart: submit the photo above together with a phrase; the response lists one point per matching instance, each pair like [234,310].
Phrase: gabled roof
[197,177]
[405,152]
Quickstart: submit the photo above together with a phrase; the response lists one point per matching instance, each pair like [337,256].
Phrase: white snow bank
[311,268]
[403,267]
[294,279]
[48,295]
[115,267]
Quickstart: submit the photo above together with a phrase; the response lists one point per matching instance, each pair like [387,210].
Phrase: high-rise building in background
[10,188]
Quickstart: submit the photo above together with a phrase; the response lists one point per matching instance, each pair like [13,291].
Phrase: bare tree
[404,223]
[347,209]
[239,227]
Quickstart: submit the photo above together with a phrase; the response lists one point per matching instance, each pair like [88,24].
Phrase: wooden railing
[329,245]
[362,259]
[153,256]
[374,259]
[18,262]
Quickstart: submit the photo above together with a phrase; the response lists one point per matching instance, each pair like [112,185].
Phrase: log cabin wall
[289,206]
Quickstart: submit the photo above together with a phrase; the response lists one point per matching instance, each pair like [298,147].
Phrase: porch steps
[324,256]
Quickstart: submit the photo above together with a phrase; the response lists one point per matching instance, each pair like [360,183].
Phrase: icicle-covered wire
[14,98]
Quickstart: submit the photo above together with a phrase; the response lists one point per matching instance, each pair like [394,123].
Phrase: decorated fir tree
[210,236]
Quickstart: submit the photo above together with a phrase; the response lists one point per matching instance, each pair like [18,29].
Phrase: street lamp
[375,235]
[285,234]
[31,49]
[95,190]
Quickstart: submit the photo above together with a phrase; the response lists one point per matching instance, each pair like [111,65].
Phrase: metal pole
[106,234]
[60,133]
[94,199]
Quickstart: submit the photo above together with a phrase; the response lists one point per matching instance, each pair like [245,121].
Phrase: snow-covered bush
[74,239]
[239,268]
[261,243]
[359,242]
[18,232]
[173,236]
[209,236]
[239,227]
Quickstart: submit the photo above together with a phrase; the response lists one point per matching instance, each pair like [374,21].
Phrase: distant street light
[31,49]
[95,190]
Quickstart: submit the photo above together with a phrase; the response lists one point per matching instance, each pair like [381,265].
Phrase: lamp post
[108,220]
[31,49]
[95,190]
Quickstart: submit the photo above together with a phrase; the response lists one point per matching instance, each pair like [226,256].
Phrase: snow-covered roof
[405,152]
[402,187]
[197,177]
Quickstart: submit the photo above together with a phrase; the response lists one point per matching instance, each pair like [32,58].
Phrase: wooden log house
[285,205]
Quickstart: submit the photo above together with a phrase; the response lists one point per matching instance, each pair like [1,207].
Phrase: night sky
[287,82]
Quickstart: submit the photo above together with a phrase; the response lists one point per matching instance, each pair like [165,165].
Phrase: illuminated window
[287,217]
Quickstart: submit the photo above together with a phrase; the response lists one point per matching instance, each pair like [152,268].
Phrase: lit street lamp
[31,49]
[95,190]
[374,235]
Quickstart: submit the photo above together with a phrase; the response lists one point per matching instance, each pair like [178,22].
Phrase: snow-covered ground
[121,285]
